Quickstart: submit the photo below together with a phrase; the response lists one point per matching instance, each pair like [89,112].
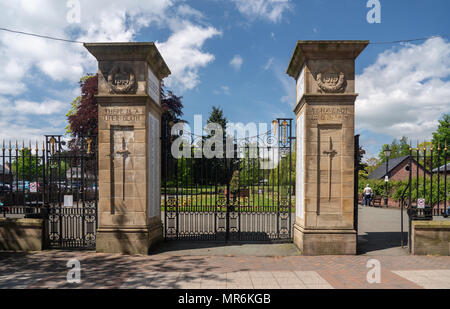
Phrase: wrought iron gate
[427,190]
[56,183]
[358,156]
[245,197]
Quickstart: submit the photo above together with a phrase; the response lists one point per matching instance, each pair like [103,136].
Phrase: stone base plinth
[431,238]
[325,242]
[126,240]
[21,234]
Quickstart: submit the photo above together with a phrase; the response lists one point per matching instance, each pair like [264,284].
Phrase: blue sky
[231,54]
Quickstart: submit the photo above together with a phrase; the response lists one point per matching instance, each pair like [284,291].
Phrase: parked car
[20,185]
[5,185]
[75,185]
[5,188]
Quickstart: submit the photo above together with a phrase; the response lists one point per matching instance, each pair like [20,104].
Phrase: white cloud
[268,64]
[18,119]
[27,62]
[223,90]
[101,21]
[182,53]
[271,10]
[406,90]
[286,82]
[237,62]
[186,10]
[47,107]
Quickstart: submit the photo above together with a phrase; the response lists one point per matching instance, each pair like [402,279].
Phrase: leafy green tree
[398,149]
[221,168]
[441,138]
[217,116]
[27,166]
[281,172]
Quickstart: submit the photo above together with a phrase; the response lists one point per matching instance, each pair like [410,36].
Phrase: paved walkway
[379,231]
[379,234]
[49,270]
[207,265]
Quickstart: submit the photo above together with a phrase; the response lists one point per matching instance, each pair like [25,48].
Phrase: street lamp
[387,154]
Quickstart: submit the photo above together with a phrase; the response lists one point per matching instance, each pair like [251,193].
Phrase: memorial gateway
[136,209]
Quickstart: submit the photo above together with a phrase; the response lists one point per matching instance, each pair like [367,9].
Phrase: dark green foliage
[396,188]
[441,138]
[398,149]
[217,116]
[27,166]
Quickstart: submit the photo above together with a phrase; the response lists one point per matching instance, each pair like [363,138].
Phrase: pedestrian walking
[367,195]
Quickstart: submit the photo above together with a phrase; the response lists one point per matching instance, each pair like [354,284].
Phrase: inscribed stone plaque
[153,86]
[154,176]
[299,187]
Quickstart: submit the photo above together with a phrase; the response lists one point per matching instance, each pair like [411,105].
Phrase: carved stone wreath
[122,80]
[330,81]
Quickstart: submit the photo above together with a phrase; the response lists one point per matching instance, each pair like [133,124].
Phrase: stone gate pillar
[129,116]
[325,76]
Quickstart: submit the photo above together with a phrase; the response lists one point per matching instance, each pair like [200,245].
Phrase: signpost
[421,203]
[33,187]
[68,200]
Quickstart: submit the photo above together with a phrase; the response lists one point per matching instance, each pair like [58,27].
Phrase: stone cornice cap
[134,51]
[323,50]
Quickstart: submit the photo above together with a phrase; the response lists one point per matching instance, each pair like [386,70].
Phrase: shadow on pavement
[49,270]
[214,248]
[376,241]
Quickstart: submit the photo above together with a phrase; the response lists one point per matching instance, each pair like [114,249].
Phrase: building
[5,174]
[397,169]
[442,169]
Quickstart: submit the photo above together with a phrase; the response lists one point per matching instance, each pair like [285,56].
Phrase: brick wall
[400,172]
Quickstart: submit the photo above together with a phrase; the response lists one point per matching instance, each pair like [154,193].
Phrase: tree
[172,105]
[398,149]
[441,137]
[222,169]
[372,164]
[281,171]
[83,115]
[27,166]
[217,116]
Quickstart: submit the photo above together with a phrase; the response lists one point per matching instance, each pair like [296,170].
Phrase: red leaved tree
[83,118]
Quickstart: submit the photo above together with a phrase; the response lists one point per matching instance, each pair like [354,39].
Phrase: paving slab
[48,269]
